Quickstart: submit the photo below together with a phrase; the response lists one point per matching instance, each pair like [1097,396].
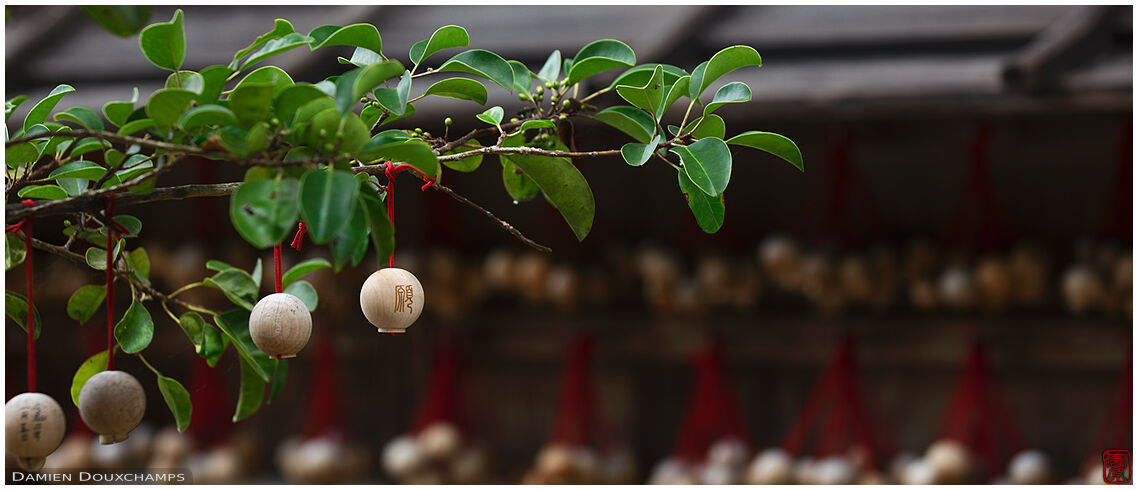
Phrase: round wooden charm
[402,457]
[392,299]
[112,404]
[950,462]
[280,325]
[770,467]
[34,427]
[1030,467]
[440,441]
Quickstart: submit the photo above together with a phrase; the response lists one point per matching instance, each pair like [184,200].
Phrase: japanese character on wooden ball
[392,299]
[34,427]
[280,325]
[112,404]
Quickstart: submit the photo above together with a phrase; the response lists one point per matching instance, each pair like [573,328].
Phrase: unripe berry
[540,90]
[522,97]
[565,104]
[448,121]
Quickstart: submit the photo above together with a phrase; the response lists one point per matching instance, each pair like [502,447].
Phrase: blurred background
[943,296]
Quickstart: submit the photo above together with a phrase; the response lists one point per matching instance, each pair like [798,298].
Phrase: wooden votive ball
[280,325]
[392,299]
[34,427]
[112,404]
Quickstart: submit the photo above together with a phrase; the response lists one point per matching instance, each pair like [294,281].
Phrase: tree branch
[526,150]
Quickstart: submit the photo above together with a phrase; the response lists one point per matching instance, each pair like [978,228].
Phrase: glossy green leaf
[640,74]
[775,144]
[327,201]
[177,400]
[135,330]
[235,325]
[16,307]
[361,35]
[276,77]
[350,238]
[361,57]
[139,263]
[709,126]
[459,88]
[707,163]
[119,112]
[92,366]
[237,285]
[303,289]
[14,251]
[522,78]
[81,169]
[357,82]
[280,374]
[468,164]
[291,98]
[329,131]
[444,38]
[252,391]
[636,154]
[395,99]
[189,80]
[251,103]
[42,192]
[213,82]
[281,28]
[207,115]
[120,20]
[728,94]
[565,188]
[21,153]
[10,105]
[88,145]
[136,126]
[552,68]
[708,210]
[264,211]
[634,122]
[725,61]
[208,343]
[82,116]
[378,225]
[167,105]
[164,44]
[520,187]
[39,112]
[85,301]
[599,56]
[536,124]
[277,46]
[484,64]
[492,116]
[650,96]
[415,152]
[299,270]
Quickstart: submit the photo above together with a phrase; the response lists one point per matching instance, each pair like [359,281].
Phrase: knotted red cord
[443,400]
[277,267]
[25,225]
[297,240]
[114,231]
[390,169]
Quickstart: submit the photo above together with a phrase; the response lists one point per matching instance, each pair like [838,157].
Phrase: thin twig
[526,150]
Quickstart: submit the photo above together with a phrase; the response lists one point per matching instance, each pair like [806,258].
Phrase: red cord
[390,170]
[114,230]
[297,240]
[277,267]
[25,225]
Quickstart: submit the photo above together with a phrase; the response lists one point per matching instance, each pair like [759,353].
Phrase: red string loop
[277,267]
[114,231]
[25,225]
[390,169]
[297,240]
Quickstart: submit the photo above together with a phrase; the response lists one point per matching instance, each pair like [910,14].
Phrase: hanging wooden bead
[950,462]
[1030,467]
[392,299]
[34,427]
[280,325]
[112,404]
[770,467]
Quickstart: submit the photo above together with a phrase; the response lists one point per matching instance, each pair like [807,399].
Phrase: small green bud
[565,104]
[340,134]
[540,90]
[363,100]
[513,119]
[522,96]
[448,121]
[323,133]
[562,117]
[418,130]
[275,122]
[329,147]
[549,85]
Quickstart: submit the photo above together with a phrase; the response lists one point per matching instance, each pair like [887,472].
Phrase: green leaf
[347,133]
[14,251]
[636,154]
[303,289]
[599,56]
[378,225]
[349,239]
[536,124]
[139,262]
[22,153]
[164,44]
[39,112]
[208,343]
[395,99]
[522,79]
[271,75]
[291,98]
[213,82]
[237,285]
[552,68]
[92,366]
[136,126]
[82,116]
[119,112]
[634,122]
[648,97]
[189,80]
[281,28]
[362,57]
[709,126]
[167,105]
[444,38]
[251,103]
[707,163]
[484,64]
[16,307]
[10,105]
[327,200]
[708,210]
[459,88]
[640,74]
[277,46]
[565,188]
[88,145]
[280,374]
[264,210]
[725,61]
[492,116]
[252,391]
[235,325]
[728,94]
[361,35]
[177,399]
[775,144]
[85,301]
[299,270]
[42,192]
[120,20]
[520,187]
[81,169]
[136,329]
[357,82]
[211,114]
[412,151]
